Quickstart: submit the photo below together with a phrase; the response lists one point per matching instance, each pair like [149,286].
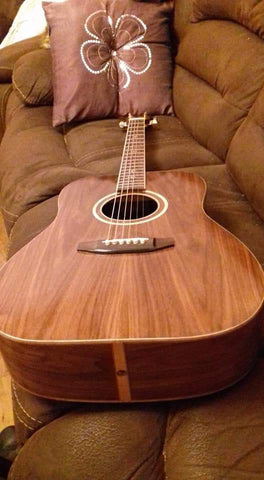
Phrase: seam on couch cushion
[25,97]
[9,213]
[10,237]
[22,421]
[86,156]
[21,406]
[117,149]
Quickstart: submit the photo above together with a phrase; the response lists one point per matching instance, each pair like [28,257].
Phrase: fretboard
[132,173]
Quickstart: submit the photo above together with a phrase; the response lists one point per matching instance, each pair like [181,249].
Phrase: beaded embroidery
[115,49]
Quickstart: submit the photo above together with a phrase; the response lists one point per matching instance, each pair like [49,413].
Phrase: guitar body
[177,322]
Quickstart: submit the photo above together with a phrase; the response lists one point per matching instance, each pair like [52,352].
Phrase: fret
[132,173]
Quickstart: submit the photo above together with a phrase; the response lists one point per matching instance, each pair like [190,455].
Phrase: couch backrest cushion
[219,73]
[249,13]
[117,59]
[182,16]
[10,54]
[9,8]
[218,87]
[32,77]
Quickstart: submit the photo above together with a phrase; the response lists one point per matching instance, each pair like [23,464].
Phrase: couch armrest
[5,90]
[9,55]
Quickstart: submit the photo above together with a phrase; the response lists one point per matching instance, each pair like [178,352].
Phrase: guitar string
[130,156]
[135,144]
[137,170]
[123,173]
[137,189]
[142,164]
[137,196]
[132,170]
[117,195]
[130,149]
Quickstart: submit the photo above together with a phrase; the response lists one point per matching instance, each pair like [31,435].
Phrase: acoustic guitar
[133,293]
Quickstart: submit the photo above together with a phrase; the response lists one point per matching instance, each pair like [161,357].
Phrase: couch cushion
[10,7]
[32,77]
[91,441]
[219,436]
[58,157]
[117,61]
[214,92]
[5,91]
[245,156]
[9,55]
[249,13]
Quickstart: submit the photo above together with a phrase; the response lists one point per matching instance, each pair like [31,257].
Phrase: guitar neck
[132,173]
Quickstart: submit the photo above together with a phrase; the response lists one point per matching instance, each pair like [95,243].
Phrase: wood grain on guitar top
[208,284]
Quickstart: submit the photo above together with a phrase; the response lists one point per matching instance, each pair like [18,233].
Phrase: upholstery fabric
[228,119]
[182,13]
[125,449]
[32,78]
[247,148]
[218,437]
[119,49]
[4,26]
[9,55]
[8,10]
[219,79]
[5,90]
[249,13]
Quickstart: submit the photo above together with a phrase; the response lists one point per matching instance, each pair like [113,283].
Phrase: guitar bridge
[125,245]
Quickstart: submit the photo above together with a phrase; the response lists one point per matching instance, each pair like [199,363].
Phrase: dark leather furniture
[218,133]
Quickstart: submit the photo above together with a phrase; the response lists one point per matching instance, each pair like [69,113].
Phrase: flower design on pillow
[115,49]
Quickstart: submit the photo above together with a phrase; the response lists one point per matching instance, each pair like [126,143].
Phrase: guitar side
[178,322]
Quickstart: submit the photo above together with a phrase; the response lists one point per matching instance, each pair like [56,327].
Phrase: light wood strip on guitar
[6,413]
[121,372]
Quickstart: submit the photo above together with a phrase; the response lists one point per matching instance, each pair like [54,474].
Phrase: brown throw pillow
[110,58]
[32,78]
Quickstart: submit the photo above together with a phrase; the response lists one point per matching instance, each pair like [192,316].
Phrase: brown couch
[218,133]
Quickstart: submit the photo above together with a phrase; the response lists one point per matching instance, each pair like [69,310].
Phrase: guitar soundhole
[129,207]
